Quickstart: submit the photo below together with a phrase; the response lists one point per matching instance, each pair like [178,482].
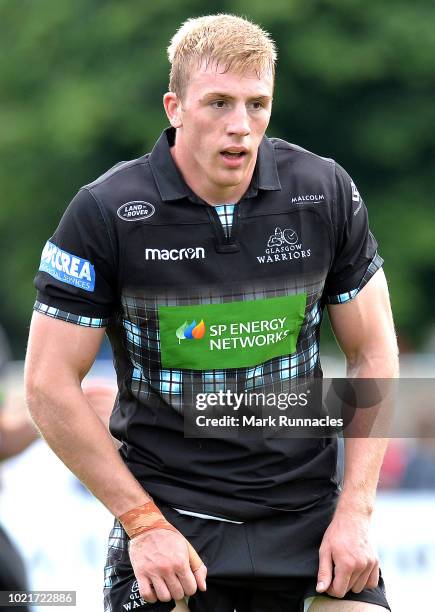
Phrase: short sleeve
[356,258]
[76,280]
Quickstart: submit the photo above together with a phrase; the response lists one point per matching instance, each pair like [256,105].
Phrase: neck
[211,193]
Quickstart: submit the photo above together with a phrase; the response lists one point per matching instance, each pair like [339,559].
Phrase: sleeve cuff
[346,296]
[69,317]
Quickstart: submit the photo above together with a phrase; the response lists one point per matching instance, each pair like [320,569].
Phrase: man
[187,257]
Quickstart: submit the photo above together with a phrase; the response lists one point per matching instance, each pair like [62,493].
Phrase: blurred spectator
[394,465]
[17,431]
[419,473]
[101,394]
[16,434]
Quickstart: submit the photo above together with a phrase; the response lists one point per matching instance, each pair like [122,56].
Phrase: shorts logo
[67,268]
[175,254]
[136,210]
[136,601]
[191,331]
[283,245]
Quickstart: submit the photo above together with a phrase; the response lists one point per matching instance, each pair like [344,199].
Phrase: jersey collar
[171,185]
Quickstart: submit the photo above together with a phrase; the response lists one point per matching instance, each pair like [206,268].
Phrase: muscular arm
[59,356]
[364,330]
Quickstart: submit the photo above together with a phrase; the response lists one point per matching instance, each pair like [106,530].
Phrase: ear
[172,105]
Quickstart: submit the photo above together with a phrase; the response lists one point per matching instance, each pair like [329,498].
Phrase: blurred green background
[81,83]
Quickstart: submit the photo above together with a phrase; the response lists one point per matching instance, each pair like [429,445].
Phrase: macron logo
[67,268]
[175,254]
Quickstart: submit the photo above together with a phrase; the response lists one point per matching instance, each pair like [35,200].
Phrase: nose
[238,123]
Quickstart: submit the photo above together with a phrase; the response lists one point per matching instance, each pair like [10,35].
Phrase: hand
[160,561]
[347,559]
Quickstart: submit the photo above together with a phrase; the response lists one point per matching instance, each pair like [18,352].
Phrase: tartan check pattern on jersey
[341,298]
[117,547]
[56,313]
[226,214]
[178,387]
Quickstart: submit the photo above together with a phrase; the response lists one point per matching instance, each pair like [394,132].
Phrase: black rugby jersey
[193,304]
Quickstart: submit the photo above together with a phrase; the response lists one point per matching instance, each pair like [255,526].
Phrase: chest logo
[175,254]
[192,331]
[136,210]
[314,198]
[231,334]
[283,245]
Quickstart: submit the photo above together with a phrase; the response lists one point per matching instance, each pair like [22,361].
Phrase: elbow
[39,391]
[35,396]
[376,361]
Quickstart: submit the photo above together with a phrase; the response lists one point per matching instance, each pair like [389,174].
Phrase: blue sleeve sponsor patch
[67,268]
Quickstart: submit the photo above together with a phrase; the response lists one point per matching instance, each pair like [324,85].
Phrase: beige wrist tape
[148,517]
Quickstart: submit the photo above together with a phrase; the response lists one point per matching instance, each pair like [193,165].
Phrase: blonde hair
[226,41]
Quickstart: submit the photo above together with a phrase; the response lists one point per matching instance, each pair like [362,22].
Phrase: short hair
[228,41]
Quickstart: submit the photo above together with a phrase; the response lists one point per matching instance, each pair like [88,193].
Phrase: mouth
[234,154]
[231,155]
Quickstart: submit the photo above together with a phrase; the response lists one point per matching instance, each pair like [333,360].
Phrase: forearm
[78,437]
[363,461]
[365,438]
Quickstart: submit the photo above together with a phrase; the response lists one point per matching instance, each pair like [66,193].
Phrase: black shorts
[258,566]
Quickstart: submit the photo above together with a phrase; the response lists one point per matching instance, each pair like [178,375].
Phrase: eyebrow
[222,96]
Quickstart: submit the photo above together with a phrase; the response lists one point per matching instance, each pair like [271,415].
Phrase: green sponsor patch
[230,335]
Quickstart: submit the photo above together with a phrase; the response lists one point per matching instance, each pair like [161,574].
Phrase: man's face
[223,117]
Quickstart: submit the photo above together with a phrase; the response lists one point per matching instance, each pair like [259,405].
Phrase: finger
[161,589]
[324,575]
[200,576]
[198,568]
[358,581]
[373,579]
[146,591]
[174,586]
[340,584]
[194,559]
[188,581]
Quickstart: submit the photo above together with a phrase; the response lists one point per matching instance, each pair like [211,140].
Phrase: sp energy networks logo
[67,268]
[174,254]
[237,334]
[191,331]
[283,245]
